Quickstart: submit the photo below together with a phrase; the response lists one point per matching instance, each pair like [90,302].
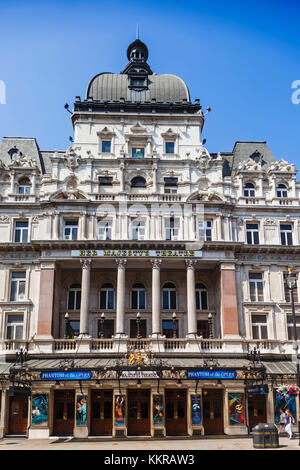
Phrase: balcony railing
[158,345]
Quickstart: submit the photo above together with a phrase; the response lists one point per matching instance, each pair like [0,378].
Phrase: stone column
[191,297]
[45,312]
[56,225]
[120,311]
[156,327]
[12,182]
[85,297]
[229,308]
[4,412]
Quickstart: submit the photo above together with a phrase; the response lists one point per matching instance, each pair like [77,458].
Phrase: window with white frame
[170,185]
[169,301]
[74,297]
[17,285]
[259,326]
[282,190]
[249,190]
[201,297]
[256,285]
[138,230]
[138,296]
[21,231]
[286,234]
[24,186]
[290,327]
[252,234]
[104,230]
[107,297]
[14,326]
[71,230]
[205,228]
[171,227]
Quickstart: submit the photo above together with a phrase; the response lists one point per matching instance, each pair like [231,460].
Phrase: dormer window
[282,190]
[24,186]
[137,82]
[249,190]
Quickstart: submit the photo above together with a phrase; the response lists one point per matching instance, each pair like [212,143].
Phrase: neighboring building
[145,269]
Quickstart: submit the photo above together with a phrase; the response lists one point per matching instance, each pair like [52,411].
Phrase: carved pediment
[137,128]
[68,195]
[249,165]
[106,133]
[169,134]
[282,166]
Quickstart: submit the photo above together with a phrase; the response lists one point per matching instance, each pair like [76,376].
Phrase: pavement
[140,444]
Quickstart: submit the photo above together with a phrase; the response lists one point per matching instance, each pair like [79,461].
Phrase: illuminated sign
[66,375]
[211,374]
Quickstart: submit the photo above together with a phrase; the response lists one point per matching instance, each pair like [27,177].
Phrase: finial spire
[137,31]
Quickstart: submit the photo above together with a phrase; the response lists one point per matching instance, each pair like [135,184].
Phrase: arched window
[74,297]
[201,297]
[138,296]
[24,186]
[107,297]
[169,296]
[138,182]
[282,190]
[249,190]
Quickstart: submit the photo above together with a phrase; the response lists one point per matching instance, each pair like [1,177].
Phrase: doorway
[138,413]
[176,414]
[101,419]
[64,412]
[213,411]
[257,412]
[18,415]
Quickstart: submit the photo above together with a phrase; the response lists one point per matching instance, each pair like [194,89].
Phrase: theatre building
[143,279]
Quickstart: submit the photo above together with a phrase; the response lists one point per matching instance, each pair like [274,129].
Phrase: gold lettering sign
[138,253]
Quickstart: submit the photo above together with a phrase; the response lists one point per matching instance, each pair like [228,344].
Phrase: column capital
[191,263]
[86,263]
[155,263]
[121,262]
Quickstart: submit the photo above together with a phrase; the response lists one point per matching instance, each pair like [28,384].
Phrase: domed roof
[162,88]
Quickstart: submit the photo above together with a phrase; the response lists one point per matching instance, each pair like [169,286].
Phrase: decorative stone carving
[282,166]
[72,158]
[269,221]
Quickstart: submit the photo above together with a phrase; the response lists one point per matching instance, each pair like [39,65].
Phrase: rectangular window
[171,185]
[168,327]
[259,327]
[171,227]
[287,291]
[137,82]
[286,234]
[14,327]
[138,152]
[203,328]
[17,286]
[256,285]
[21,231]
[106,146]
[290,327]
[134,331]
[105,230]
[205,228]
[71,230]
[252,231]
[105,180]
[138,230]
[170,147]
[108,328]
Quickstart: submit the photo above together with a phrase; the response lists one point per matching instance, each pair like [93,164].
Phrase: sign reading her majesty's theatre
[138,253]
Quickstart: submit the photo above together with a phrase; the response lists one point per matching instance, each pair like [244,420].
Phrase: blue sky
[239,57]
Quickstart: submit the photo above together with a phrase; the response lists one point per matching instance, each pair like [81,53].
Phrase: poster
[287,403]
[120,410]
[81,401]
[158,410]
[39,412]
[236,405]
[196,409]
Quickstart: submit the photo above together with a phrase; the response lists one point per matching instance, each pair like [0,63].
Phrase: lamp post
[138,325]
[66,335]
[291,282]
[174,324]
[210,326]
[102,319]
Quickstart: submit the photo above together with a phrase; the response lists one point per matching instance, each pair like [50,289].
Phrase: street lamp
[291,281]
[67,317]
[174,324]
[210,326]
[138,325]
[102,318]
